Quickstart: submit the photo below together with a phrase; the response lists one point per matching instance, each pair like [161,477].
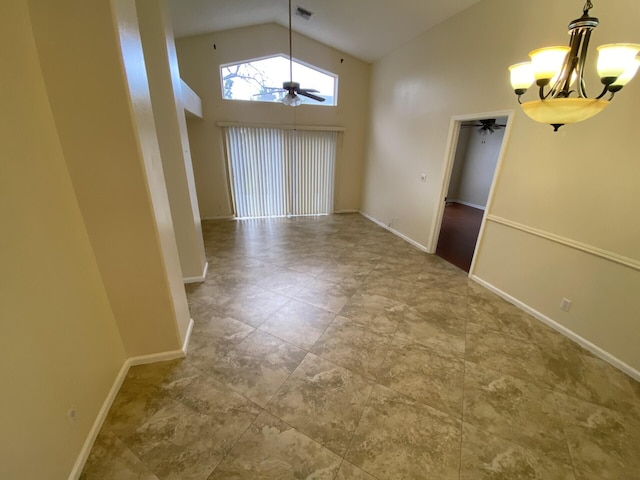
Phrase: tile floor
[327,348]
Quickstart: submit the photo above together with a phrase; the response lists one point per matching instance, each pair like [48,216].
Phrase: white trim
[395,232]
[462,202]
[347,210]
[156,357]
[316,128]
[222,217]
[599,352]
[583,247]
[164,356]
[187,337]
[81,460]
[190,100]
[199,279]
[97,424]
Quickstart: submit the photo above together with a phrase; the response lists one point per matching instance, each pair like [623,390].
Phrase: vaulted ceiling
[366,29]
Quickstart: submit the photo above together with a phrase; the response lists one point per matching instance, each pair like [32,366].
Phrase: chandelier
[556,70]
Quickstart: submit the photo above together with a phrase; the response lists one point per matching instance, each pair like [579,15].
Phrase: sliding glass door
[276,172]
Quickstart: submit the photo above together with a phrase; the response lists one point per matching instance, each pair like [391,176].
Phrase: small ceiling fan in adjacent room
[486,126]
[293,88]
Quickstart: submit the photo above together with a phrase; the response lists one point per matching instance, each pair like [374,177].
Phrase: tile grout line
[226,454]
[263,409]
[564,434]
[375,382]
[464,381]
[335,234]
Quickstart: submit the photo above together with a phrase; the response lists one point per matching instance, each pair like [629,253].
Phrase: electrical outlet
[72,416]
[565,304]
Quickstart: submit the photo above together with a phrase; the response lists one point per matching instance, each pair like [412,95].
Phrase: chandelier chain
[587,6]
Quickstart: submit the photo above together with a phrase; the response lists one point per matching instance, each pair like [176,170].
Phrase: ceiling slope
[366,29]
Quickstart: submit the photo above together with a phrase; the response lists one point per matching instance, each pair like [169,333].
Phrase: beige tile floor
[327,348]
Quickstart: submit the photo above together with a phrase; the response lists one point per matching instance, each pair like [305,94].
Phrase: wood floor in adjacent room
[327,348]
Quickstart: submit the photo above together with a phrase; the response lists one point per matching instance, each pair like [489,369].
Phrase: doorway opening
[475,150]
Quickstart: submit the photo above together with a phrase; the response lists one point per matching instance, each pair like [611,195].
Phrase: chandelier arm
[565,77]
[582,89]
[544,96]
[562,87]
[541,93]
[582,92]
[604,92]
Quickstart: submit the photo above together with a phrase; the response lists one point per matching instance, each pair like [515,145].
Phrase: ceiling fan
[486,126]
[293,88]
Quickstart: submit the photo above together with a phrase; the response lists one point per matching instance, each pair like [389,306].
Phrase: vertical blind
[276,172]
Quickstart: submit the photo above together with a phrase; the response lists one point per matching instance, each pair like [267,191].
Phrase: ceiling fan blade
[312,90]
[310,95]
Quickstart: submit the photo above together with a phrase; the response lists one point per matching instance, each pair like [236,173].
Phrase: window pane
[261,80]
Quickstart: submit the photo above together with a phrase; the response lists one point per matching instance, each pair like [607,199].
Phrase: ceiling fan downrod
[291,99]
[293,88]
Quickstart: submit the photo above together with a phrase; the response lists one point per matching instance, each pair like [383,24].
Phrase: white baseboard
[187,337]
[97,424]
[199,279]
[462,202]
[599,352]
[223,217]
[395,232]
[346,210]
[164,356]
[113,392]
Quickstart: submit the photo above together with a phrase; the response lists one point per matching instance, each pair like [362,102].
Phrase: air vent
[304,13]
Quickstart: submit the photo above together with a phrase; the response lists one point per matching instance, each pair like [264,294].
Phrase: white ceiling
[366,29]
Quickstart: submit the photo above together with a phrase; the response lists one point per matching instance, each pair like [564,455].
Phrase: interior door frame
[450,153]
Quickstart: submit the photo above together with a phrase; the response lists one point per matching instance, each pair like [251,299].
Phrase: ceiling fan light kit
[291,99]
[555,70]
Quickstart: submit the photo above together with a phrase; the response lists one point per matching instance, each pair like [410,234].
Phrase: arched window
[260,80]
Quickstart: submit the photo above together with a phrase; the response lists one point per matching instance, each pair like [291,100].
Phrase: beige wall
[579,183]
[59,343]
[93,67]
[199,67]
[458,162]
[539,273]
[166,96]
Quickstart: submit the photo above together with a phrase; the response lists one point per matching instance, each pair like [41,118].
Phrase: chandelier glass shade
[558,72]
